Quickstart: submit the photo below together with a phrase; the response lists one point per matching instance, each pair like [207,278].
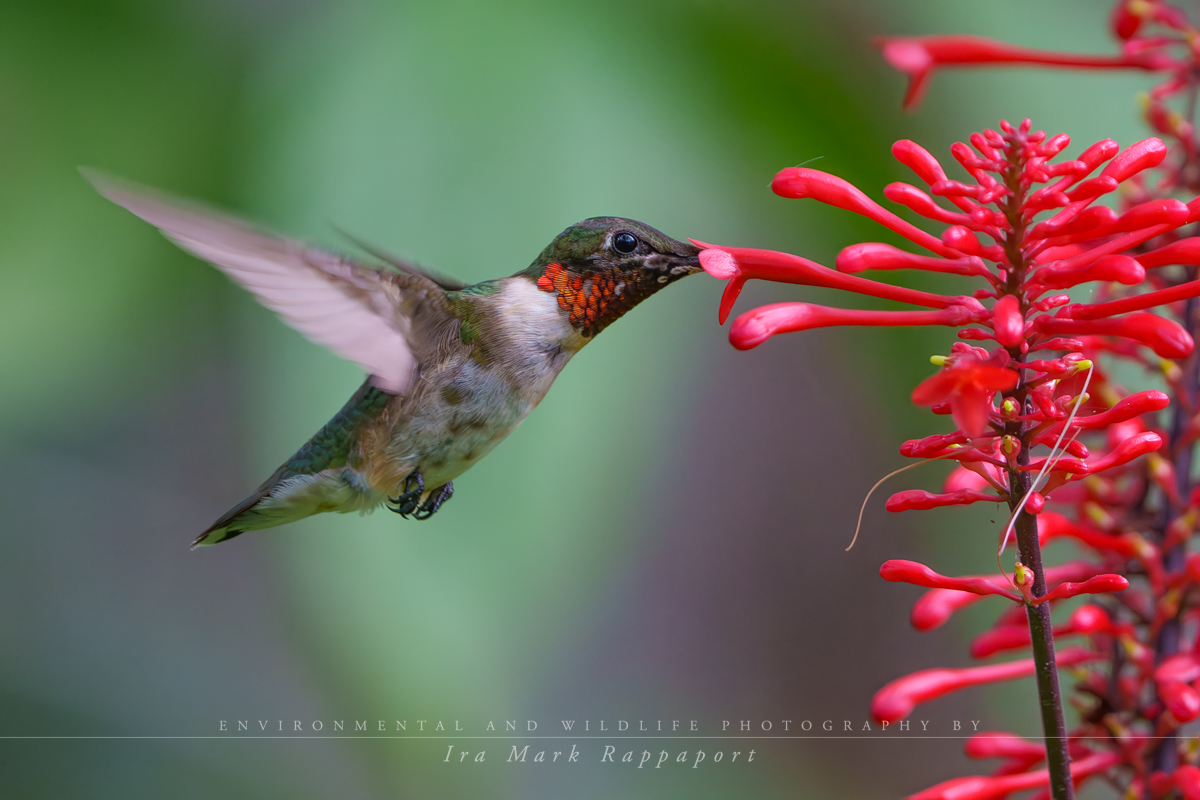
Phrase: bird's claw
[439,496]
[410,499]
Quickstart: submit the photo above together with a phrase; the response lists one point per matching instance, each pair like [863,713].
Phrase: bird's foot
[409,500]
[439,496]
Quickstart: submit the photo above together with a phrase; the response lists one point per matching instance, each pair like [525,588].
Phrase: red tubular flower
[739,264]
[935,607]
[1002,745]
[918,56]
[896,701]
[873,255]
[1180,699]
[1187,780]
[1161,335]
[978,787]
[911,572]
[1087,619]
[755,327]
[920,499]
[1100,584]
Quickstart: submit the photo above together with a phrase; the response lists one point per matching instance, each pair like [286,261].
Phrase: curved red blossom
[1122,269]
[1187,781]
[935,607]
[1161,335]
[1131,448]
[1140,302]
[1101,584]
[1180,699]
[739,264]
[874,255]
[919,499]
[756,326]
[1086,619]
[918,56]
[801,182]
[896,701]
[996,744]
[1125,409]
[1183,251]
[1007,321]
[901,571]
[979,787]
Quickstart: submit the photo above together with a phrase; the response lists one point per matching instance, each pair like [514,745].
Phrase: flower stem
[1058,760]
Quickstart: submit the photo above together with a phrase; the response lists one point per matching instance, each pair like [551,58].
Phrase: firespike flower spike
[1120,227]
[1025,226]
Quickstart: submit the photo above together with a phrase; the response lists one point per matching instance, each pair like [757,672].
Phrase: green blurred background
[661,540]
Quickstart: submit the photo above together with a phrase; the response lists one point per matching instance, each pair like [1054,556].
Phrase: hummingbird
[452,369]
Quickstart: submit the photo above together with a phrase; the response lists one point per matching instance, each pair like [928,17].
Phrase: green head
[604,266]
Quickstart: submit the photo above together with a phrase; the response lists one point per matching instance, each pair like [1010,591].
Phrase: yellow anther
[938,361]
[1083,365]
[1140,8]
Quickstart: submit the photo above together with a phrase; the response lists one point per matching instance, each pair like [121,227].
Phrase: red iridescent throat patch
[595,299]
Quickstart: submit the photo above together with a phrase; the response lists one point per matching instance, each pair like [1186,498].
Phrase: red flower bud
[916,200]
[1187,781]
[1127,408]
[1180,668]
[1180,699]
[917,56]
[1003,745]
[1100,584]
[801,182]
[739,264]
[1124,23]
[921,500]
[1135,158]
[901,571]
[1185,252]
[873,255]
[757,325]
[1007,321]
[896,701]
[1161,335]
[963,478]
[935,607]
[1118,268]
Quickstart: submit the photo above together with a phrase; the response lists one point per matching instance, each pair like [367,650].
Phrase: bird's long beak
[691,261]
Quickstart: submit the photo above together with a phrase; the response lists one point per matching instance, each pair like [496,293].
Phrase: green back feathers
[331,445]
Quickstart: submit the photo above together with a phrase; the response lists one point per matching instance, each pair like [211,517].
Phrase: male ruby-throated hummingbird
[453,369]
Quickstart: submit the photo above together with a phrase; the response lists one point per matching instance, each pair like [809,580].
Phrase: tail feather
[309,482]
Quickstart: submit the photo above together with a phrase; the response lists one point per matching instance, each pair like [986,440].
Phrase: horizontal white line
[881,736]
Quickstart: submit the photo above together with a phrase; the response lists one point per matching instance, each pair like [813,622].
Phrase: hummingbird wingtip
[96,177]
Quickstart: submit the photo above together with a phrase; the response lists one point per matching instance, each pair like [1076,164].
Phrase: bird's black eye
[625,242]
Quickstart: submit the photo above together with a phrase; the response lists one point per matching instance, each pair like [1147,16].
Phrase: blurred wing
[352,309]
